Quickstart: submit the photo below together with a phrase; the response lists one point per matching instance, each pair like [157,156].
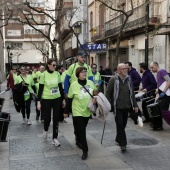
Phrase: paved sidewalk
[27,150]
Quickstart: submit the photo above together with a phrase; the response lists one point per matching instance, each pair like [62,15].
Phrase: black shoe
[157,129]
[151,125]
[37,118]
[123,148]
[79,145]
[94,114]
[84,156]
[146,121]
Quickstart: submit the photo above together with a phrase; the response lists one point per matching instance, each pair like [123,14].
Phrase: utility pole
[147,32]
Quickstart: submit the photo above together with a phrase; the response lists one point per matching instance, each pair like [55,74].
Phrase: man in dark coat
[134,75]
[121,95]
[108,74]
[149,86]
[102,73]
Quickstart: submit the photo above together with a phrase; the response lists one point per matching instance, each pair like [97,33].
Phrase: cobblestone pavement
[27,150]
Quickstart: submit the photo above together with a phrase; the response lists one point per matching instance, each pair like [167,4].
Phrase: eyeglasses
[83,56]
[124,69]
[94,68]
[23,69]
[84,71]
[54,65]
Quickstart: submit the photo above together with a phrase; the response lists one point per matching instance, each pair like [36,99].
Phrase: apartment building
[77,10]
[23,40]
[105,25]
[2,66]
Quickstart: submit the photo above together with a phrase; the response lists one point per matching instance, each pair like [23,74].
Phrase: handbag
[92,107]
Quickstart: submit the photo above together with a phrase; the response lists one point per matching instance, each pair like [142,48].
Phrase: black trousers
[80,124]
[121,121]
[26,108]
[37,111]
[164,105]
[47,105]
[61,117]
[144,107]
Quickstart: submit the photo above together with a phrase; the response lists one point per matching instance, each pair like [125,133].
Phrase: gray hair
[155,63]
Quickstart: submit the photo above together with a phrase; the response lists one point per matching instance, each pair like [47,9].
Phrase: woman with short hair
[78,98]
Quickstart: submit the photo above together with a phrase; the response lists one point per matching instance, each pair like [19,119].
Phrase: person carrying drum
[149,86]
[163,83]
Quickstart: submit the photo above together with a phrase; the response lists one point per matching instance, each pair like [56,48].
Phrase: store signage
[94,47]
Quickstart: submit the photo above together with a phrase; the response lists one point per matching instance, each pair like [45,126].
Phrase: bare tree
[112,6]
[28,12]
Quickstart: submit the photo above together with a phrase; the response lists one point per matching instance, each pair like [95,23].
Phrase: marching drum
[154,110]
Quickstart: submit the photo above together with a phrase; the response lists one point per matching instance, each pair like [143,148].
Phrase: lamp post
[11,54]
[77,30]
[8,50]
[54,48]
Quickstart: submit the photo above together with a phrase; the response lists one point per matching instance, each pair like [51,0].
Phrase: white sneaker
[140,122]
[24,121]
[45,135]
[29,122]
[55,142]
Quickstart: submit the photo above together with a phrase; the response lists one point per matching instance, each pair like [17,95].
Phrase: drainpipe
[147,32]
[107,52]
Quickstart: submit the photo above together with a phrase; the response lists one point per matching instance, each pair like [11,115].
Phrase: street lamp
[54,48]
[77,30]
[8,50]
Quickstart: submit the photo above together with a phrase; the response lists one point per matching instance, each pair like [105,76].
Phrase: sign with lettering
[94,47]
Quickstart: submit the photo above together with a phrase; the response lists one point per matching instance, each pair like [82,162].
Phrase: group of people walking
[70,92]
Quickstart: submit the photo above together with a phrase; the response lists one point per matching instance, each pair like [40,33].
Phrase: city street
[26,149]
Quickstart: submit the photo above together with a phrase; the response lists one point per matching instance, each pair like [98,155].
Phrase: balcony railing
[113,26]
[100,32]
[139,12]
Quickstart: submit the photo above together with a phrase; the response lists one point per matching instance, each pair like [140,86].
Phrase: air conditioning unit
[131,42]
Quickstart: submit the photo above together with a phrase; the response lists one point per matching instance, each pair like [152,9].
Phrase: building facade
[74,14]
[105,25]
[23,40]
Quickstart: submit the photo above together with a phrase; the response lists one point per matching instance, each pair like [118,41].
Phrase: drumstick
[143,91]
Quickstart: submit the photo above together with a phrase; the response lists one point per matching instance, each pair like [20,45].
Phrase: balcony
[99,33]
[135,24]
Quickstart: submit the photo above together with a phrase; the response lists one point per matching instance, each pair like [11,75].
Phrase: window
[33,31]
[15,45]
[14,19]
[68,15]
[91,20]
[15,33]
